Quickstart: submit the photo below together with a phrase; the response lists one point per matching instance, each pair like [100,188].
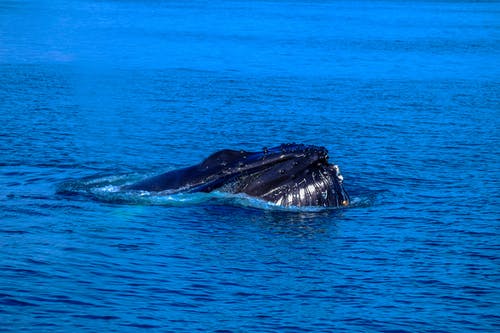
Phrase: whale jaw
[317,184]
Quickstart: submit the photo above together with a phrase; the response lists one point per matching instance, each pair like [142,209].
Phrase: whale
[287,175]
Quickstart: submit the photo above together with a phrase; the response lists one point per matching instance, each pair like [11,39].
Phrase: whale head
[290,175]
[287,175]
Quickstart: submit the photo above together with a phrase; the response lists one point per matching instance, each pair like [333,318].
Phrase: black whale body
[287,175]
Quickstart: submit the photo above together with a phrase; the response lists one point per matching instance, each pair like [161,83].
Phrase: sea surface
[97,93]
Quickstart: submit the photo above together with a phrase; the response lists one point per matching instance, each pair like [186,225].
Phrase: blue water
[94,93]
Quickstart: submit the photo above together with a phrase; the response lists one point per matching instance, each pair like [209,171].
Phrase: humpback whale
[286,175]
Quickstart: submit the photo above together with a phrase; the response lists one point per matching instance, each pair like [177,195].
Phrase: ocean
[404,95]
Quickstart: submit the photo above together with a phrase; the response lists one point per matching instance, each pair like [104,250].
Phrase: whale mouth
[289,175]
[301,176]
[316,187]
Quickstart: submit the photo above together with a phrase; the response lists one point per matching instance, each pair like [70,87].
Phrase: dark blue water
[405,95]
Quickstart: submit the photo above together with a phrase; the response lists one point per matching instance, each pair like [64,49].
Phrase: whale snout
[306,153]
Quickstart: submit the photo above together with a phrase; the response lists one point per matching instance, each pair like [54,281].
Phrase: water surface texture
[405,95]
